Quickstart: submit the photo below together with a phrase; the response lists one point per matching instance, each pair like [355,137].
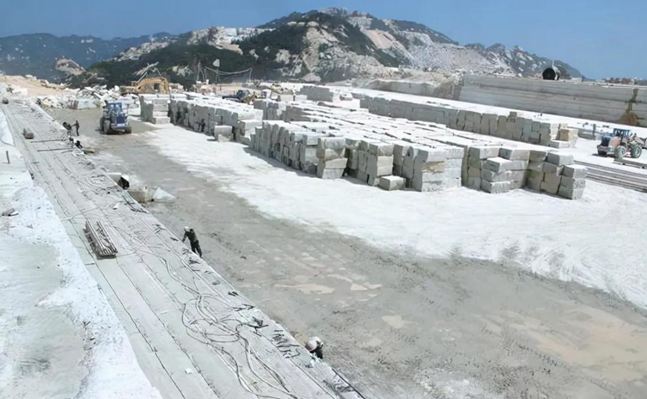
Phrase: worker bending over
[193,240]
[315,347]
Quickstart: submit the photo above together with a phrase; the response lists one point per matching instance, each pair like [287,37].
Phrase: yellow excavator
[151,81]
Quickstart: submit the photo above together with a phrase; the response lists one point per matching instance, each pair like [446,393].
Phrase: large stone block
[537,155]
[473,183]
[571,183]
[574,194]
[551,183]
[514,154]
[334,143]
[399,152]
[391,183]
[338,163]
[431,155]
[552,169]
[483,152]
[495,187]
[518,165]
[380,149]
[379,165]
[575,171]
[491,176]
[497,164]
[408,167]
[326,154]
[473,172]
[560,159]
[536,166]
[329,173]
[534,180]
[428,167]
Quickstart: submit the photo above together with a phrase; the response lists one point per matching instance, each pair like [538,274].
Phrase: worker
[315,347]
[76,125]
[193,240]
[124,182]
[68,128]
[78,145]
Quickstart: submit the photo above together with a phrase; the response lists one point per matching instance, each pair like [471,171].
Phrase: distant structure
[551,73]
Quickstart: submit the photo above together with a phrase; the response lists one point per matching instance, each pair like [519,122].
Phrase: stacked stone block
[428,168]
[331,155]
[511,126]
[205,114]
[476,158]
[154,108]
[573,182]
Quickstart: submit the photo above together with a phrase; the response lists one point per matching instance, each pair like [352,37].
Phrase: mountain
[37,54]
[522,62]
[320,45]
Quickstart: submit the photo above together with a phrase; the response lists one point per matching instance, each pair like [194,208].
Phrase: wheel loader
[622,143]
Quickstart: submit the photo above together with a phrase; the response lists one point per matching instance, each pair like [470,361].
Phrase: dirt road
[399,325]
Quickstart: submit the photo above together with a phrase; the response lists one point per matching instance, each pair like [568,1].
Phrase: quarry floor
[400,319]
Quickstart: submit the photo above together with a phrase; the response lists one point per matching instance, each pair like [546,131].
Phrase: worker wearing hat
[193,240]
[315,347]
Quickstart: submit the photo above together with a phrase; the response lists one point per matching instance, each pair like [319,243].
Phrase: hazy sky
[600,37]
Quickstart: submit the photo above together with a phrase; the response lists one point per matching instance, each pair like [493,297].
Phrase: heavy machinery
[114,119]
[242,96]
[622,143]
[150,81]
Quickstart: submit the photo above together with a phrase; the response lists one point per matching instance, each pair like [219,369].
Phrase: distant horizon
[600,43]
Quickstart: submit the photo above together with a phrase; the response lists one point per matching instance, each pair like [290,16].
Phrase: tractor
[114,119]
[621,143]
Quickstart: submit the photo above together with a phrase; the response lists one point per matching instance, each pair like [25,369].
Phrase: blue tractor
[114,119]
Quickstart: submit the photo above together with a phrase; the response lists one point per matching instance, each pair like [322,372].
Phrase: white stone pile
[272,110]
[373,160]
[429,168]
[223,119]
[511,126]
[293,145]
[154,108]
[394,154]
[331,157]
[318,93]
[562,177]
[498,170]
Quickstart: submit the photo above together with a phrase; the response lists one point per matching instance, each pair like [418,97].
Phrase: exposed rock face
[69,67]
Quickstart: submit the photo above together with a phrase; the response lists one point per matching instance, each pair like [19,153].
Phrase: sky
[601,38]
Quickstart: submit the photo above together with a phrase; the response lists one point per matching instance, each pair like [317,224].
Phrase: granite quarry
[455,235]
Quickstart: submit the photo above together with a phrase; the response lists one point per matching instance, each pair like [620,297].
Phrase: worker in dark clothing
[193,240]
[76,126]
[68,128]
[315,347]
[124,182]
